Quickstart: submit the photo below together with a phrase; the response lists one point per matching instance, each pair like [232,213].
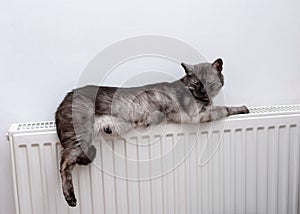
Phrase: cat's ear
[218,64]
[187,68]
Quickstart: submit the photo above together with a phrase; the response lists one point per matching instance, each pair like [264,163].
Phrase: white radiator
[245,164]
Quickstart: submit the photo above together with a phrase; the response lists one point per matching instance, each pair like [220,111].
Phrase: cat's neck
[179,82]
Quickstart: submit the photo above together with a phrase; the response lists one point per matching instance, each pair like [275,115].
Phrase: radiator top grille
[254,111]
[275,109]
[36,125]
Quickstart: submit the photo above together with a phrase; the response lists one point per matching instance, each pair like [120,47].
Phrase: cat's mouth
[213,89]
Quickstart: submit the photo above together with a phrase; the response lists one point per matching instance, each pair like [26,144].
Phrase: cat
[110,111]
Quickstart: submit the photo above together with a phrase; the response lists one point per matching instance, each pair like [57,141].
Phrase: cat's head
[208,75]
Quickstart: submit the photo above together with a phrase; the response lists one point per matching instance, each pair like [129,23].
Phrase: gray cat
[91,110]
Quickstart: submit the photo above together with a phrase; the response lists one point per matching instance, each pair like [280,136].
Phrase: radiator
[243,164]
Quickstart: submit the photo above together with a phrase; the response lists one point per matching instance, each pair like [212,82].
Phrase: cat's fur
[91,110]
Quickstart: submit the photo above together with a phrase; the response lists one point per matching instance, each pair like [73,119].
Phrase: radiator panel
[249,166]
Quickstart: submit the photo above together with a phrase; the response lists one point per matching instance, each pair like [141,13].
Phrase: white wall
[44,46]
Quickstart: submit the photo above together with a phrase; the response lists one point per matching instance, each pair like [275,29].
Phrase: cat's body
[91,110]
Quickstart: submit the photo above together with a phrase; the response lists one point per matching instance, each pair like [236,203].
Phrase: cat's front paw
[237,110]
[244,110]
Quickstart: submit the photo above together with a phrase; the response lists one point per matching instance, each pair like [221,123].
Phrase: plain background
[45,45]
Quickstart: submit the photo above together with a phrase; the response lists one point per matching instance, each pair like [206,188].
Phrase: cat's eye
[213,82]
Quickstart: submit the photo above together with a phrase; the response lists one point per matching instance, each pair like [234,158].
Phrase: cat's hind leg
[111,125]
[87,157]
